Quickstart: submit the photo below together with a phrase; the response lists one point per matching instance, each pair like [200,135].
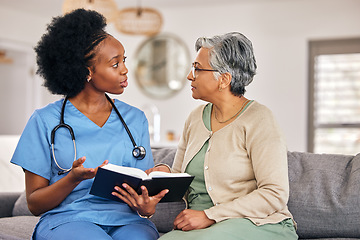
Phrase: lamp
[107,8]
[139,21]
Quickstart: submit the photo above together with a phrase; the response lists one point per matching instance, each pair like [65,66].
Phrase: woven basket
[108,8]
[139,21]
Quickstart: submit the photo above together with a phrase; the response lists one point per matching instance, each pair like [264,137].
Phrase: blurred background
[287,36]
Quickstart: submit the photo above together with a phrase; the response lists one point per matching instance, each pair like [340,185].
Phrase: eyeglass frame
[193,69]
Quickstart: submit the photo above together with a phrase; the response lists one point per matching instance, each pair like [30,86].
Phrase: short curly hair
[233,53]
[67,50]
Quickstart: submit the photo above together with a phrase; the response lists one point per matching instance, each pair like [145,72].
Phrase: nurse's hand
[79,173]
[143,203]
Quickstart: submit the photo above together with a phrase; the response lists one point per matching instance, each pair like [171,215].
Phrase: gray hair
[232,53]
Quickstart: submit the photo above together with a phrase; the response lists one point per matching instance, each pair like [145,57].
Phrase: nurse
[82,62]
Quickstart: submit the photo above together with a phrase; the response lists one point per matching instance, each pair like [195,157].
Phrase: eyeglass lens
[193,71]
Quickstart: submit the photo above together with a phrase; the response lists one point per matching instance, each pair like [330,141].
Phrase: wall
[279,30]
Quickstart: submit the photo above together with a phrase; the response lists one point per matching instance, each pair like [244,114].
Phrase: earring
[220,88]
[88,79]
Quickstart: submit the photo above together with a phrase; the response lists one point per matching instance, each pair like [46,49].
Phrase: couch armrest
[7,201]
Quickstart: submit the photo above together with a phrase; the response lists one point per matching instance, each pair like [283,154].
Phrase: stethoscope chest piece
[139,152]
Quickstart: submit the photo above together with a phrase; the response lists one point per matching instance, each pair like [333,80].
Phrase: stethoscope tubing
[138,152]
[122,120]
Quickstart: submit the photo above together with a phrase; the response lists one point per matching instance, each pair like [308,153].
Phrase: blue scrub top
[109,142]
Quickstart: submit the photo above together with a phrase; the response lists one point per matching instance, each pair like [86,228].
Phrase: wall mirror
[161,65]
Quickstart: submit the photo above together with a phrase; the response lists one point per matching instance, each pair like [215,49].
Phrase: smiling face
[204,85]
[109,73]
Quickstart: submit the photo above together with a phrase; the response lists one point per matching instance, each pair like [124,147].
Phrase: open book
[110,175]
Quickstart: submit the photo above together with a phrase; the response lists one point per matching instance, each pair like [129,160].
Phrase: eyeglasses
[194,69]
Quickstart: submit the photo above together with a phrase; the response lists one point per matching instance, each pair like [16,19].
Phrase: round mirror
[162,63]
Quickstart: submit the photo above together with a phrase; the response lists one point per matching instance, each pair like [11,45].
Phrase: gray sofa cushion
[20,207]
[324,194]
[20,227]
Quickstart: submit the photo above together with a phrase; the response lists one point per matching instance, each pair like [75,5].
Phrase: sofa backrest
[324,194]
[164,155]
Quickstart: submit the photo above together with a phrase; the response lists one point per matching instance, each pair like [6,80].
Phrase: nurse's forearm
[41,197]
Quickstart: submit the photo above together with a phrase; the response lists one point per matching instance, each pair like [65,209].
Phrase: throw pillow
[20,207]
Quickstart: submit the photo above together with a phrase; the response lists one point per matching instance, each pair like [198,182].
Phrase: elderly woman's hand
[159,168]
[192,219]
[143,203]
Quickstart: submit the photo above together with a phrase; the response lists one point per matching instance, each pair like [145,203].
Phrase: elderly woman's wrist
[163,164]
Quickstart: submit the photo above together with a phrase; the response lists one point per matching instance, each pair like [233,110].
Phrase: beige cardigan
[245,167]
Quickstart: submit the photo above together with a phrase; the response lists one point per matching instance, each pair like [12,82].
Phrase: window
[334,96]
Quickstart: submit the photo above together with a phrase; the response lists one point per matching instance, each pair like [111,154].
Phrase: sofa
[324,199]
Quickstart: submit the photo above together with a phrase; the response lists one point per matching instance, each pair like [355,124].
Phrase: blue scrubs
[110,142]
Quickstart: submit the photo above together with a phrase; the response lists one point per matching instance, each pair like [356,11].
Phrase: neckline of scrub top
[82,115]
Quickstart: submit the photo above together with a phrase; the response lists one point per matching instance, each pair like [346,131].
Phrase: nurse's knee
[136,232]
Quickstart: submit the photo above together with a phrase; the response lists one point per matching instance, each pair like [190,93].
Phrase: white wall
[279,30]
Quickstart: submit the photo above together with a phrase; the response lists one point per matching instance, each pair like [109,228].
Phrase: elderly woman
[235,150]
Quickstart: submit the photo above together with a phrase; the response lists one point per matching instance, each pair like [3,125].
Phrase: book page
[127,170]
[156,174]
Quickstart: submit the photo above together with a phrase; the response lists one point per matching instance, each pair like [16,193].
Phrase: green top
[198,198]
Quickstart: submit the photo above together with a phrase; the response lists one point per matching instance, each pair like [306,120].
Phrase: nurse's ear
[88,78]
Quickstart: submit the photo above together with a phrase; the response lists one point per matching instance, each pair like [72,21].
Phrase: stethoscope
[138,152]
